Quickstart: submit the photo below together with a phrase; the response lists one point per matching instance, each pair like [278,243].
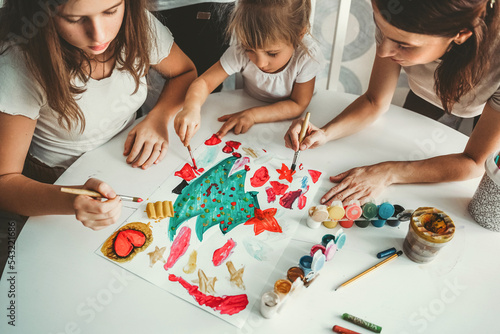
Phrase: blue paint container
[326,239]
[385,210]
[378,222]
[305,263]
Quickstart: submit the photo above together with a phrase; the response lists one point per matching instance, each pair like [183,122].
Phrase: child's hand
[94,213]
[240,122]
[146,143]
[186,123]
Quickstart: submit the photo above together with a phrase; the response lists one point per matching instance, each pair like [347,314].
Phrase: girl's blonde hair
[54,63]
[257,24]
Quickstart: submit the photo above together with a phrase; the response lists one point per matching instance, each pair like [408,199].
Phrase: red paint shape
[227,149]
[187,172]
[264,220]
[225,304]
[314,175]
[302,202]
[285,173]
[221,254]
[233,144]
[127,240]
[279,188]
[179,247]
[236,154]
[287,199]
[271,195]
[301,167]
[260,177]
[247,168]
[214,140]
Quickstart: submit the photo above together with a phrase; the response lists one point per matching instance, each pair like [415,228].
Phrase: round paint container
[393,222]
[269,304]
[318,262]
[430,230]
[326,239]
[331,249]
[293,273]
[353,210]
[305,263]
[336,210]
[370,210]
[385,210]
[330,223]
[316,248]
[282,287]
[317,214]
[340,239]
[362,223]
[378,222]
[346,223]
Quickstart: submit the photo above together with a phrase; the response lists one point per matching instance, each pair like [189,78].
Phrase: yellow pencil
[390,258]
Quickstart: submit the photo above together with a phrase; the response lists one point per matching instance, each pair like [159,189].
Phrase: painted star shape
[206,284]
[264,220]
[285,173]
[156,255]
[236,275]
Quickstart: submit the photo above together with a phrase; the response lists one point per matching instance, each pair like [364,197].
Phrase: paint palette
[232,218]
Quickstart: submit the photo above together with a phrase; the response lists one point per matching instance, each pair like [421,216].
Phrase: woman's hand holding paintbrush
[314,136]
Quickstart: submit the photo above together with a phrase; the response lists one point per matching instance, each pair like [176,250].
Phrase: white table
[61,286]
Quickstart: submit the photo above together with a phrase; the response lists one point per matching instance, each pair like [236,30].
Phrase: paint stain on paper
[214,140]
[215,198]
[179,247]
[221,254]
[190,267]
[287,199]
[206,284]
[264,221]
[285,173]
[233,144]
[188,173]
[239,164]
[127,242]
[225,304]
[271,195]
[178,190]
[314,175]
[156,255]
[236,275]
[302,202]
[250,152]
[279,188]
[227,149]
[260,177]
[208,156]
[257,249]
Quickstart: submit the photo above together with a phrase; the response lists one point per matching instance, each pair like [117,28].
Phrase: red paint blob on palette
[214,140]
[314,175]
[225,304]
[260,177]
[127,240]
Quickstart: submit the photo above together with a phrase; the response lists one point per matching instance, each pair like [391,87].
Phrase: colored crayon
[342,330]
[361,323]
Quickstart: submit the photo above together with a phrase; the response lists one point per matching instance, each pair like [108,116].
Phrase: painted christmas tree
[216,197]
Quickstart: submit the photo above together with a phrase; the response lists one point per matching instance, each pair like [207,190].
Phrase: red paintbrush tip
[139,200]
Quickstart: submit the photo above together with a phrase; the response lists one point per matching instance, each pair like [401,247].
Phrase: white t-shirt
[273,87]
[170,4]
[421,81]
[108,105]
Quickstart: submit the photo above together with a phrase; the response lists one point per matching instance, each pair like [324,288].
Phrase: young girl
[72,77]
[449,49]
[276,58]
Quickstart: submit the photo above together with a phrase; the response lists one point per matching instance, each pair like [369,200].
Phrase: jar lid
[432,225]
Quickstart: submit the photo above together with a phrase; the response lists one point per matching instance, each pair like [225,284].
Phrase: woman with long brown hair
[72,76]
[449,50]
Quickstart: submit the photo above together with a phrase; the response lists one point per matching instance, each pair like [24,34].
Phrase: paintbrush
[191,155]
[302,134]
[95,194]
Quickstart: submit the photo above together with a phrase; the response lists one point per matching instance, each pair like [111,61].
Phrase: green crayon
[361,323]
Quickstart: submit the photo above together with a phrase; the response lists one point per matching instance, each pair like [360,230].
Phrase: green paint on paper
[215,198]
